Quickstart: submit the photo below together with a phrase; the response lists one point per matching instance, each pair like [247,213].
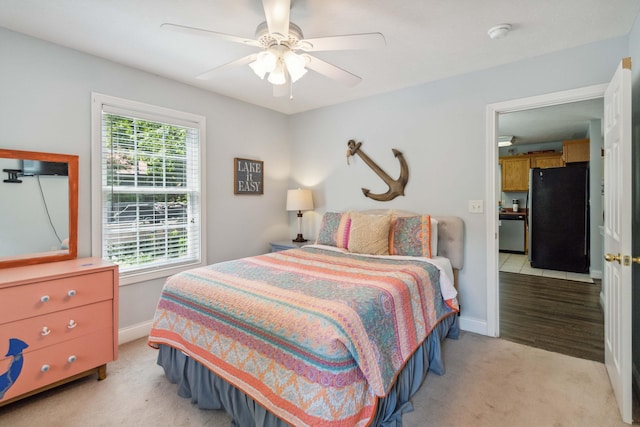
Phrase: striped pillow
[411,235]
[334,230]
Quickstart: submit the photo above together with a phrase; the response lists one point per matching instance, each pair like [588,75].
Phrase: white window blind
[151,192]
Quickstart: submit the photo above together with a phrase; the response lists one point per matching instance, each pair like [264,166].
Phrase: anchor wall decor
[396,186]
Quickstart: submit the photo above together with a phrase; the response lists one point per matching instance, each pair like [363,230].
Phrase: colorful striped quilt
[314,335]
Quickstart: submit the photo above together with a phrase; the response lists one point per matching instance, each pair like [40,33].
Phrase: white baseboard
[596,274]
[133,332]
[473,325]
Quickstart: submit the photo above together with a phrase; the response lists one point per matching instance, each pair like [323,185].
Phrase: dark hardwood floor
[558,315]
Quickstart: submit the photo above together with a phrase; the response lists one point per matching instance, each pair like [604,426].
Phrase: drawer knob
[44,298]
[71,293]
[44,368]
[45,331]
[72,358]
[72,324]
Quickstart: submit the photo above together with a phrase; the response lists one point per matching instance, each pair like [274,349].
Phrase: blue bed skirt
[209,391]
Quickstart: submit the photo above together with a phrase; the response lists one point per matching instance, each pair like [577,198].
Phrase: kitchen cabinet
[551,160]
[575,150]
[515,173]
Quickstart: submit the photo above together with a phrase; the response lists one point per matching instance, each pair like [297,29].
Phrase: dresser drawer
[50,364]
[54,328]
[20,302]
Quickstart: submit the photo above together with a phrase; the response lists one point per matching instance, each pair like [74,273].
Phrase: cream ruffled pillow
[369,234]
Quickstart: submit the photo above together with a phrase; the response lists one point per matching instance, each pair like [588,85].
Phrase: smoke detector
[499,31]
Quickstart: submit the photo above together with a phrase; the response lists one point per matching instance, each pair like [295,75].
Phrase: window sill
[133,278]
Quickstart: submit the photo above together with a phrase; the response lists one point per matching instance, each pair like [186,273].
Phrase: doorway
[493,185]
[592,92]
[541,304]
[559,139]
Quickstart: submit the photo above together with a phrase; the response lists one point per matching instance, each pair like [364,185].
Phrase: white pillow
[434,237]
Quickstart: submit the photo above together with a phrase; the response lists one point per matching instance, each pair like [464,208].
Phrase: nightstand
[287,244]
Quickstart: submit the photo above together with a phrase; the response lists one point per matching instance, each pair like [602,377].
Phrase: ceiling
[426,40]
[551,124]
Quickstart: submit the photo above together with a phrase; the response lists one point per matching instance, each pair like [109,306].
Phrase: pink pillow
[334,230]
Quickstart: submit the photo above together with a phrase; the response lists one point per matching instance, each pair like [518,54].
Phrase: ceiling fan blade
[280,91]
[207,33]
[242,61]
[346,42]
[331,71]
[277,14]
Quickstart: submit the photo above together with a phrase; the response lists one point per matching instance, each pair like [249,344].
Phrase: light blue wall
[34,214]
[439,126]
[441,129]
[45,93]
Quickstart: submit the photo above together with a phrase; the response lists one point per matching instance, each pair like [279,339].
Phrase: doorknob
[612,257]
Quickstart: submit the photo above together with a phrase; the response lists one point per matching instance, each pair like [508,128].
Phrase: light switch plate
[476,206]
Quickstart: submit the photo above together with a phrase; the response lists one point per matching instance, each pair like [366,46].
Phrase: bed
[320,335]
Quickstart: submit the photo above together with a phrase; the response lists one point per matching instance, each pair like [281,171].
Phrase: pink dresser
[58,322]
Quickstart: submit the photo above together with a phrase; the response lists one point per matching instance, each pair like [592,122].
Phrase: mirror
[38,207]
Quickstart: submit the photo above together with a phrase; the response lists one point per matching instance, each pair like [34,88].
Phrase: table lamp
[299,200]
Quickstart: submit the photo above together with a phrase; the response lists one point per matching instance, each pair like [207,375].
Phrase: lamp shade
[299,200]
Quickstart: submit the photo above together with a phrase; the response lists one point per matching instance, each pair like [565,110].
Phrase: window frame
[151,113]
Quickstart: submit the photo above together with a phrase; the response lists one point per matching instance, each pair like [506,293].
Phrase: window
[147,192]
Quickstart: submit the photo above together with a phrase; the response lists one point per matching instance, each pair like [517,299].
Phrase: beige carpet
[489,382]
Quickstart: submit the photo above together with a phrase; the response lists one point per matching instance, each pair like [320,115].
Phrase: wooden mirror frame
[42,257]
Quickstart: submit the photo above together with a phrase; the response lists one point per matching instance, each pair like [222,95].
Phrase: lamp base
[299,239]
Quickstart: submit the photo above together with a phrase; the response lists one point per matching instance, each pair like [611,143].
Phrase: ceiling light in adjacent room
[505,141]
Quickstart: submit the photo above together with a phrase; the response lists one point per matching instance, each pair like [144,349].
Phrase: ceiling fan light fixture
[296,75]
[277,77]
[265,63]
[281,41]
[269,60]
[295,65]
[258,68]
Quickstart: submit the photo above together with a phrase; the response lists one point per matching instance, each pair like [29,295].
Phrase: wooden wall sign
[248,176]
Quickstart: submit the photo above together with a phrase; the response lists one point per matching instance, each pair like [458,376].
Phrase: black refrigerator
[558,203]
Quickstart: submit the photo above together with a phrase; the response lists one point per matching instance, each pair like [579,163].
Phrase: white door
[616,282]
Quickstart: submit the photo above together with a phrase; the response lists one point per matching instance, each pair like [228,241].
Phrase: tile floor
[516,263]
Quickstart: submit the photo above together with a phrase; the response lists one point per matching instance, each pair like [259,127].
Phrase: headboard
[450,234]
[451,242]
[450,239]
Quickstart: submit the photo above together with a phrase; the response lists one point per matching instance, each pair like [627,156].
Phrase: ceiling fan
[283,56]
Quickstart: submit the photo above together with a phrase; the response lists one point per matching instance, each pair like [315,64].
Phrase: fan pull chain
[291,90]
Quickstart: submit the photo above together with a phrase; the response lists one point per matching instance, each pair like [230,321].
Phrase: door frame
[493,186]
